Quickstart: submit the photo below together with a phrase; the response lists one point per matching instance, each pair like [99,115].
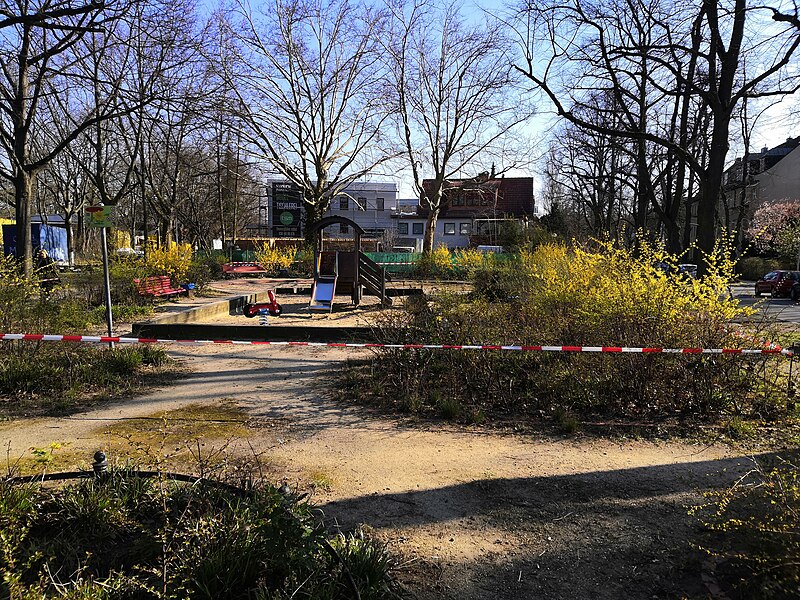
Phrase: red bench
[242,268]
[157,286]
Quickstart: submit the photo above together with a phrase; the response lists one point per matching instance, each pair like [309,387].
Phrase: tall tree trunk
[711,186]
[23,189]
[430,231]
[313,214]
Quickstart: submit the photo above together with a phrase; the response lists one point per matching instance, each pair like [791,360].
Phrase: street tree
[309,84]
[39,58]
[677,73]
[456,98]
[775,227]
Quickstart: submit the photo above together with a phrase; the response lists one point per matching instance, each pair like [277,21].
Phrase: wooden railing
[373,278]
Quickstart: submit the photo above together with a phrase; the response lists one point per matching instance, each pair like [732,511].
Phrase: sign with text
[287,210]
[99,216]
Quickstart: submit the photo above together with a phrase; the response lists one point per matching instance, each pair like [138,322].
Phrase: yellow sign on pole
[99,216]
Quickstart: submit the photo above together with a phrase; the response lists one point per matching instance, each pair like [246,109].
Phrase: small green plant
[123,536]
[44,456]
[448,407]
[566,422]
[321,480]
[738,429]
[753,530]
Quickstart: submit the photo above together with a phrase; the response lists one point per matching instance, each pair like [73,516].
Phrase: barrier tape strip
[602,349]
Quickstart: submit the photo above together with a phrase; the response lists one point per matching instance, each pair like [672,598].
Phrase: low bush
[753,533]
[174,261]
[753,268]
[437,264]
[124,537]
[40,378]
[600,296]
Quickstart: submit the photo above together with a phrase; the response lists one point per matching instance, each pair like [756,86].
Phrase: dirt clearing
[469,513]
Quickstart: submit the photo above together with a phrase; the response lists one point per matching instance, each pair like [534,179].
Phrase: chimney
[493,172]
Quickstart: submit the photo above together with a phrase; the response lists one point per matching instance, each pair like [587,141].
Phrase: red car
[777,283]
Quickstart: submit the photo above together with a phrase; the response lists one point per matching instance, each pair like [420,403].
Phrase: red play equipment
[274,309]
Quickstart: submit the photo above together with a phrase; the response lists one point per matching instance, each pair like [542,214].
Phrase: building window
[402,228]
[449,228]
[344,204]
[380,203]
[344,228]
[361,203]
[464,229]
[416,228]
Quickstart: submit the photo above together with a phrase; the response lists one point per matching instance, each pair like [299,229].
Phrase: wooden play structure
[344,272]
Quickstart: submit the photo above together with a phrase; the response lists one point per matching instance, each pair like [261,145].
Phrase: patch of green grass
[54,379]
[740,429]
[194,421]
[321,480]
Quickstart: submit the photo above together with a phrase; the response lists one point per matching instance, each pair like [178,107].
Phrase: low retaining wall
[272,333]
[229,306]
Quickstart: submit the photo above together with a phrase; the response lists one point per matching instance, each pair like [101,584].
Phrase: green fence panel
[395,262]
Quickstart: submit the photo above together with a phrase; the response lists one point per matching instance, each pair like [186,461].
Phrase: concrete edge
[227,306]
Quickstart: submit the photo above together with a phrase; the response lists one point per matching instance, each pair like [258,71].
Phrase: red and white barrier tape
[604,349]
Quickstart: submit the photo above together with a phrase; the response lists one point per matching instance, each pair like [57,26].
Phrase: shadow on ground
[622,534]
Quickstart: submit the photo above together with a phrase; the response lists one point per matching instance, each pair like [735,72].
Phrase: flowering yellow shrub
[173,261]
[437,263]
[609,295]
[441,259]
[275,259]
[470,260]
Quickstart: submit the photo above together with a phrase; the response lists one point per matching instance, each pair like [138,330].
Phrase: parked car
[777,283]
[688,269]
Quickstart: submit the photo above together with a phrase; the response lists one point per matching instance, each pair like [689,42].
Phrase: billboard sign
[287,210]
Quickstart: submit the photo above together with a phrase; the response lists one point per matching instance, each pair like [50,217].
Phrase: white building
[370,204]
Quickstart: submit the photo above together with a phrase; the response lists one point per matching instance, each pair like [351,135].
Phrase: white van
[495,249]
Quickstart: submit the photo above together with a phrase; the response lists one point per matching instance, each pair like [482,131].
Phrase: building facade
[473,210]
[771,175]
[369,204]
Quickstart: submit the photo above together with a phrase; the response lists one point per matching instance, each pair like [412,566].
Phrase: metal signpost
[100,216]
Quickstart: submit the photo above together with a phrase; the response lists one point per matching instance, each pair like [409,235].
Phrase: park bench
[156,286]
[233,269]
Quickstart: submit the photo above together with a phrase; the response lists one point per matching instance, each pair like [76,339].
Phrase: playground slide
[323,294]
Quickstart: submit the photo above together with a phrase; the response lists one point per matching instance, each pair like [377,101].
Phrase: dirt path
[471,514]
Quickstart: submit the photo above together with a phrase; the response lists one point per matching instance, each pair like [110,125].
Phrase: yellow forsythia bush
[609,295]
[437,263]
[173,261]
[275,259]
[470,260]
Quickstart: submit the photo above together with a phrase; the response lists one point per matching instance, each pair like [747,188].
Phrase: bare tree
[309,89]
[38,58]
[455,95]
[646,52]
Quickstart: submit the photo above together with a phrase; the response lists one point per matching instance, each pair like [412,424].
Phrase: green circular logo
[287,218]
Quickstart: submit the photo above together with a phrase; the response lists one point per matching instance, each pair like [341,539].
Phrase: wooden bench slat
[157,286]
